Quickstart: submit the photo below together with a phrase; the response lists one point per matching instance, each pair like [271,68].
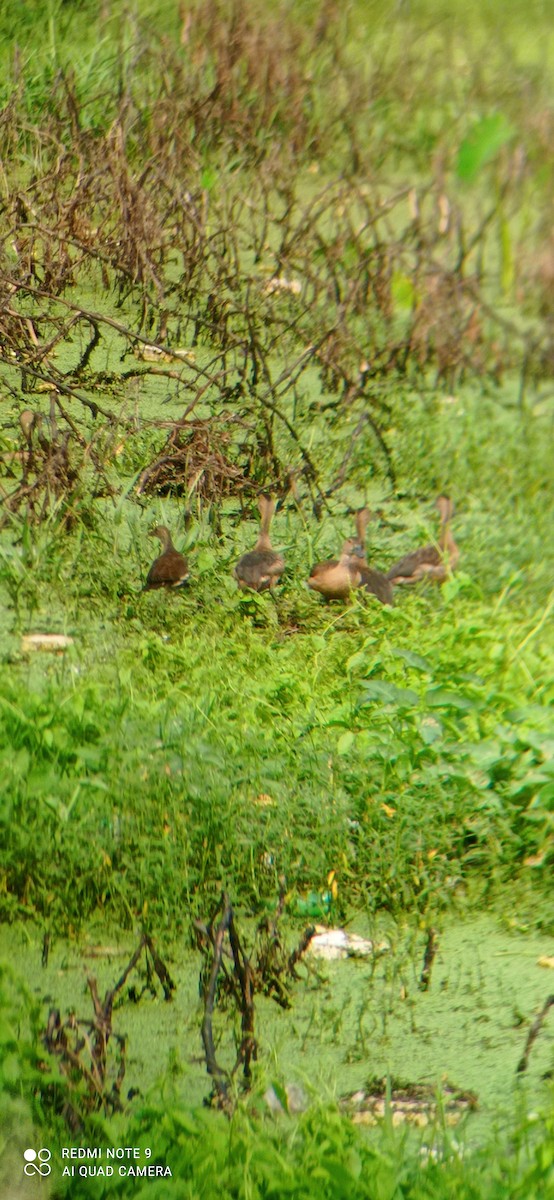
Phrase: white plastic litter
[337,943]
[55,642]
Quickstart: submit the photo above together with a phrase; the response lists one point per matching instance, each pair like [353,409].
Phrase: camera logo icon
[37,1162]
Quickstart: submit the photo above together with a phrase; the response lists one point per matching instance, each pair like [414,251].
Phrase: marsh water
[350,1021]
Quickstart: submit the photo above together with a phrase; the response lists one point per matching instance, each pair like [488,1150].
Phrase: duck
[336,578]
[371,580]
[261,568]
[170,570]
[435,561]
[27,425]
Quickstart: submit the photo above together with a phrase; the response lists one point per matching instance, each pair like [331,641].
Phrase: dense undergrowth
[408,750]
[333,224]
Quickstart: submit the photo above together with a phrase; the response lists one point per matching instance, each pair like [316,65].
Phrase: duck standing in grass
[335,578]
[170,570]
[370,579]
[435,561]
[262,567]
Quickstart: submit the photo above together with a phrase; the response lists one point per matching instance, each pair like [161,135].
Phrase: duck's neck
[445,536]
[165,539]
[358,556]
[448,545]
[263,542]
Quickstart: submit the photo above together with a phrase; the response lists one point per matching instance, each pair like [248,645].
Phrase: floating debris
[546,960]
[279,284]
[103,952]
[56,643]
[337,943]
[156,354]
[413,1103]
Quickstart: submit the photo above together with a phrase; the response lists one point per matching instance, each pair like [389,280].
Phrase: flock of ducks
[261,568]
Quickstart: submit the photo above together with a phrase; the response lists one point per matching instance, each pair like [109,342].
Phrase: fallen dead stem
[228,971]
[194,459]
[276,292]
[533,1034]
[82,1047]
[431,947]
[242,984]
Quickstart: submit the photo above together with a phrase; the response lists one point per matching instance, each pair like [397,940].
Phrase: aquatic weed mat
[349,1022]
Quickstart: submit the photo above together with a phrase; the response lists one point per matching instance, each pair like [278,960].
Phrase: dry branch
[271,291]
[82,1046]
[534,1033]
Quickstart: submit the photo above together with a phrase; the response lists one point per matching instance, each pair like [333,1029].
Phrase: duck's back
[259,569]
[169,570]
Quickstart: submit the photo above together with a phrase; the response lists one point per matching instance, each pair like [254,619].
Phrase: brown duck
[27,423]
[335,578]
[435,561]
[370,579]
[262,567]
[170,570]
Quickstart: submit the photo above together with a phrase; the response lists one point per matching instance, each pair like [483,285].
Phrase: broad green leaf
[345,742]
[359,659]
[403,291]
[482,144]
[208,177]
[388,693]
[440,698]
[430,730]
[413,660]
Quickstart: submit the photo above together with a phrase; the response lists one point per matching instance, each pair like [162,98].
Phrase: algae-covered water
[350,1021]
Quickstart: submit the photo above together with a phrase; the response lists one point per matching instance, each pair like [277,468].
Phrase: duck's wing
[169,570]
[378,584]
[259,569]
[416,565]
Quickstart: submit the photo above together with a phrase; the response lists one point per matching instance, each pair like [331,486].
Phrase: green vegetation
[402,748]
[334,225]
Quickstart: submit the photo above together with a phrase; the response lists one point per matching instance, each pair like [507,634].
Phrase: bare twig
[431,948]
[533,1034]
